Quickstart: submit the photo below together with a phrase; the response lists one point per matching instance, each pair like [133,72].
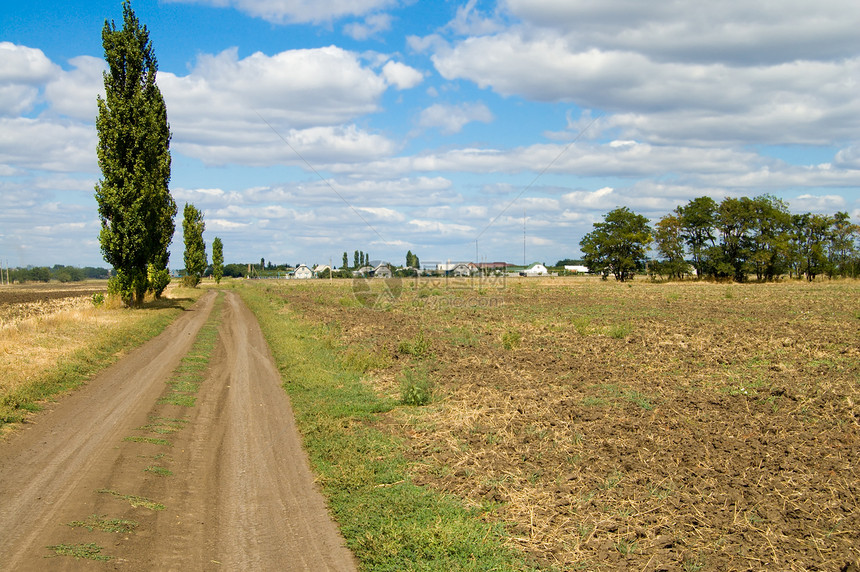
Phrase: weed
[620,331]
[98,299]
[418,347]
[582,325]
[640,399]
[180,399]
[511,339]
[152,440]
[134,500]
[626,547]
[416,388]
[98,522]
[160,471]
[89,551]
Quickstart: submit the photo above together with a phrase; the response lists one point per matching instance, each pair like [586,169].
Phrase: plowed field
[628,426]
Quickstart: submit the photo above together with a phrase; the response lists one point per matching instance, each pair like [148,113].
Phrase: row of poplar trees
[134,202]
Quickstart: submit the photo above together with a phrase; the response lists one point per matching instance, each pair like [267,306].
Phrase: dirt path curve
[234,491]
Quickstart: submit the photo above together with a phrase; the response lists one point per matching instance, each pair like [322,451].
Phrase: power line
[323,179]
[539,175]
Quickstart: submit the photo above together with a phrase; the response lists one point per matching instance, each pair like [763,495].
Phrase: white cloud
[300,11]
[792,84]
[24,65]
[827,204]
[372,25]
[22,71]
[688,30]
[401,76]
[74,93]
[47,145]
[222,111]
[450,119]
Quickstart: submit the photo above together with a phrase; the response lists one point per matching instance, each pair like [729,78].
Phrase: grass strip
[98,522]
[89,551]
[191,371]
[388,522]
[104,349]
[134,500]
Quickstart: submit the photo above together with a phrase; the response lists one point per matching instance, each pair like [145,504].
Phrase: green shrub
[419,346]
[416,388]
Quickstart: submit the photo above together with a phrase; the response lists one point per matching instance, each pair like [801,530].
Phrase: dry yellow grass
[41,339]
[30,345]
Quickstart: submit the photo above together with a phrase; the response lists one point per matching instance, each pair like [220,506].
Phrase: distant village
[384,269]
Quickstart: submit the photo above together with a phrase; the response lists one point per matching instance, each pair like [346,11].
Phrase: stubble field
[613,426]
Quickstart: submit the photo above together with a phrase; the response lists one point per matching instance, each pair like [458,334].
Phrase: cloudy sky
[306,128]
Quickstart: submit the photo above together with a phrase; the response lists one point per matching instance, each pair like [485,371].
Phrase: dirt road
[226,487]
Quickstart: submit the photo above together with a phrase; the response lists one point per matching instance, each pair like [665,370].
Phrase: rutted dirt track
[239,495]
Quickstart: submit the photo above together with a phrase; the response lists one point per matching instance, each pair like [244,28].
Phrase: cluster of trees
[57,272]
[135,207]
[736,239]
[359,259]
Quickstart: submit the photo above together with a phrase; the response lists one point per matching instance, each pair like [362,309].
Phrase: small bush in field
[415,387]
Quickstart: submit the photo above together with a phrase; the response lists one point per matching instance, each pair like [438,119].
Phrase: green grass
[98,522]
[191,371]
[151,440]
[89,551]
[160,471]
[134,500]
[104,350]
[388,522]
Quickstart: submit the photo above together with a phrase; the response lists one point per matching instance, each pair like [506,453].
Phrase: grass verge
[388,522]
[106,344]
[191,371]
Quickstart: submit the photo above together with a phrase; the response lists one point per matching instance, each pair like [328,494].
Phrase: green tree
[769,232]
[669,240]
[618,244]
[345,264]
[217,259]
[356,260]
[735,218]
[698,219]
[134,203]
[195,249]
[842,248]
[813,232]
[412,260]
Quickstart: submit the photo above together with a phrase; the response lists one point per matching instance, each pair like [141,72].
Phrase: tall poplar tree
[217,260]
[134,202]
[195,249]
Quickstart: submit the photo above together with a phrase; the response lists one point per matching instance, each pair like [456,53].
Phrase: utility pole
[524,238]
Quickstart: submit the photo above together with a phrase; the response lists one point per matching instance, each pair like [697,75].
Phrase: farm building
[302,272]
[382,270]
[535,269]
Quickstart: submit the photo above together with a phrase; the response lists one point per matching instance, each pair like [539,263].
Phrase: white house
[382,270]
[535,269]
[302,272]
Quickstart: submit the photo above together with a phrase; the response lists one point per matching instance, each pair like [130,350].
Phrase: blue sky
[430,126]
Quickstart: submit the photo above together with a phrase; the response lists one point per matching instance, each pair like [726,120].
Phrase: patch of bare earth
[650,427]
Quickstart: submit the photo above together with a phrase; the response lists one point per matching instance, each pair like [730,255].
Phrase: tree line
[58,272]
[737,239]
